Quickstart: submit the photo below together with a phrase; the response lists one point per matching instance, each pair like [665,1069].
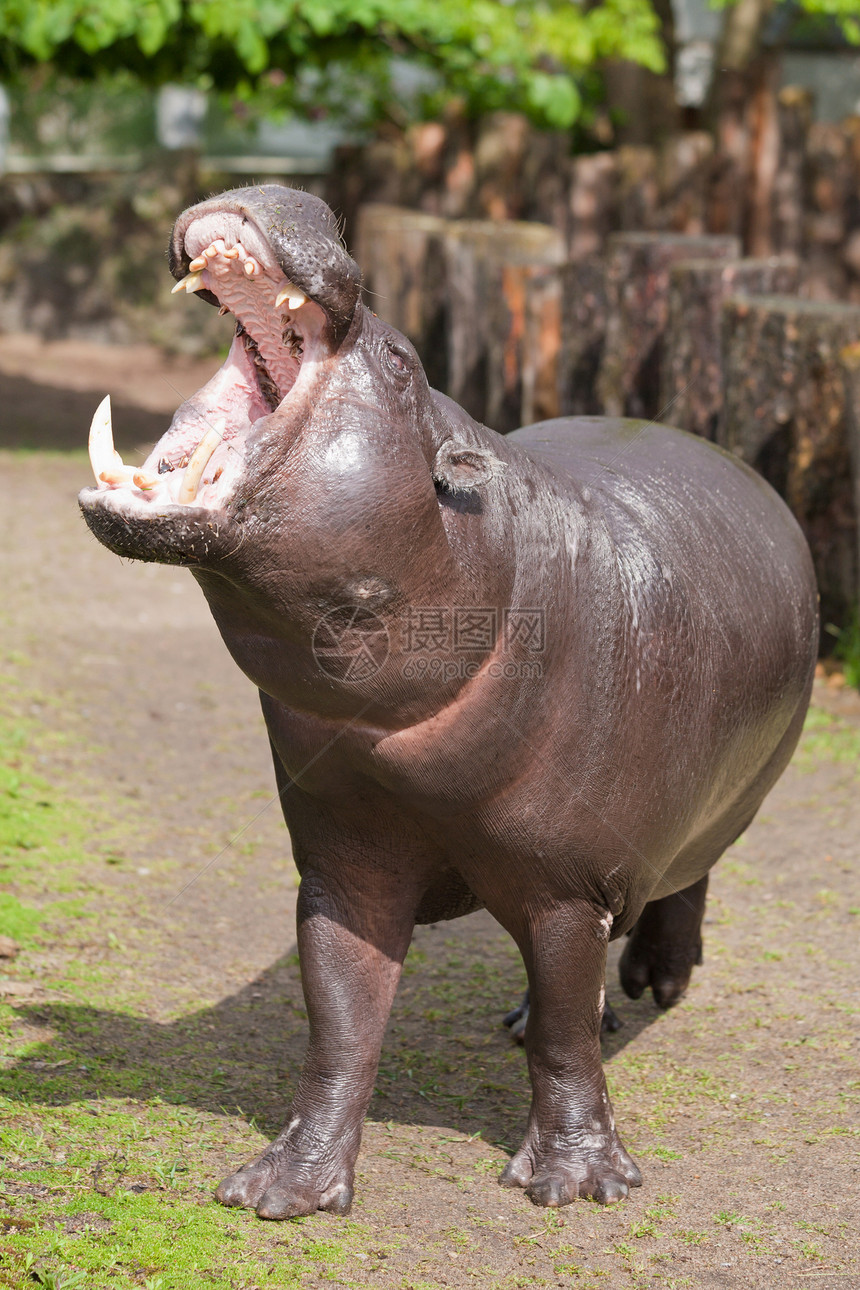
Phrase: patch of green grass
[18,920]
[827,738]
[847,648]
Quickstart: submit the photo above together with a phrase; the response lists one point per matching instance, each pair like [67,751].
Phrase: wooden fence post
[401,255]
[503,318]
[584,309]
[637,290]
[691,390]
[785,414]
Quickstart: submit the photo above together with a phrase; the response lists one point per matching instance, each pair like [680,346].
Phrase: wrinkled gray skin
[577,805]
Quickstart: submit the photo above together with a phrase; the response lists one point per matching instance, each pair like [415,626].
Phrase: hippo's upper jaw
[272,257]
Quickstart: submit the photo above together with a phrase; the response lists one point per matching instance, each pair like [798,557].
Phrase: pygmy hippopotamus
[552,674]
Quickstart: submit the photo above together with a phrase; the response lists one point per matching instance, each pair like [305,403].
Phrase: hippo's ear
[460,468]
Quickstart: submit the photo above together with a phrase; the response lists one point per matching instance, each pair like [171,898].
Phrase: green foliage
[519,55]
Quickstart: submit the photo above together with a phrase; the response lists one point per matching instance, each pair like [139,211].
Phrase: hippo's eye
[398,358]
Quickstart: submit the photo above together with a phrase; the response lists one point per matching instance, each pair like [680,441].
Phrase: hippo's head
[316,396]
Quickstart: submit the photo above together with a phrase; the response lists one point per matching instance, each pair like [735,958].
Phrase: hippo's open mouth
[278,341]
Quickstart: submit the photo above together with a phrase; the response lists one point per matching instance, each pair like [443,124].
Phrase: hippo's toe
[556,1178]
[246,1186]
[278,1187]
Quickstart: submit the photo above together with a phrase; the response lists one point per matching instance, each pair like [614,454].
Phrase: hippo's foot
[278,1185]
[516,1020]
[664,946]
[588,1164]
[667,972]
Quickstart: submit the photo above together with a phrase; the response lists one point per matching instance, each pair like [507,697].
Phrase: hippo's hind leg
[665,945]
[517,1020]
[571,1146]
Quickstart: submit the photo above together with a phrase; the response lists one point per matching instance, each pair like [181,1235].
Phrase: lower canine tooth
[197,464]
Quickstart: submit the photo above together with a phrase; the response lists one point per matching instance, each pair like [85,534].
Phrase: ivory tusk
[103,455]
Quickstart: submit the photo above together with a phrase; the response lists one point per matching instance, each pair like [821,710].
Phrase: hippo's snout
[272,258]
[282,230]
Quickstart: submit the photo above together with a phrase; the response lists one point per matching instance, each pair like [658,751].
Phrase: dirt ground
[739,1104]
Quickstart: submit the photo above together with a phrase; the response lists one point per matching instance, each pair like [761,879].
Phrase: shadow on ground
[451,1064]
[42,416]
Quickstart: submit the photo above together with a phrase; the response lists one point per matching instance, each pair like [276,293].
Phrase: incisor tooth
[290,295]
[118,475]
[199,263]
[232,253]
[250,267]
[142,480]
[191,282]
[197,464]
[103,455]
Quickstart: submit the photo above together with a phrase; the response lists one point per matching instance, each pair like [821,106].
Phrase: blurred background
[640,207]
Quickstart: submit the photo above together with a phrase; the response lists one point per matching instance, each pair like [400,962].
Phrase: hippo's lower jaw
[195,469]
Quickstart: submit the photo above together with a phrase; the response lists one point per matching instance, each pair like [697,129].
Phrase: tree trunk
[692,387]
[794,108]
[739,81]
[830,184]
[637,290]
[785,414]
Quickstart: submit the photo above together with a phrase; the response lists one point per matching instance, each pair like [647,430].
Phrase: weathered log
[492,270]
[691,390]
[684,166]
[785,414]
[583,334]
[638,187]
[592,203]
[829,181]
[637,288]
[401,253]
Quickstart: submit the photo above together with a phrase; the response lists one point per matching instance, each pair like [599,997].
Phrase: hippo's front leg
[354,930]
[571,1147]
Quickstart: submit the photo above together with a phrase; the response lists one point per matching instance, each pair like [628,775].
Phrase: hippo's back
[689,498]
